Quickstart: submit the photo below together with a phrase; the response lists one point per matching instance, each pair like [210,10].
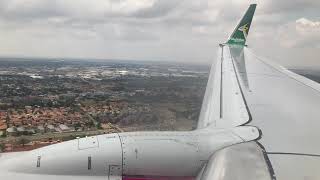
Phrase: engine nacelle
[124,155]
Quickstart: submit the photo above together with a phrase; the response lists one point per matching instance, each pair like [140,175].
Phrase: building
[8,147]
[3,122]
[2,133]
[64,128]
[12,131]
[41,129]
[21,130]
[51,128]
[3,116]
[31,131]
[3,128]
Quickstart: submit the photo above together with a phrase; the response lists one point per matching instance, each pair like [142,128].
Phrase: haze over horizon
[287,32]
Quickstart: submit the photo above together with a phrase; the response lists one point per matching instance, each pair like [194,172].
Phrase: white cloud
[306,26]
[302,33]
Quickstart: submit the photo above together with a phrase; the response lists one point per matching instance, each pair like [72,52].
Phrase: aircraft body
[258,121]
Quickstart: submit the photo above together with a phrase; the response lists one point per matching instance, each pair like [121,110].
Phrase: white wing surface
[246,89]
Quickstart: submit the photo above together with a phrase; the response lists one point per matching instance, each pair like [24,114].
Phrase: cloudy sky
[171,30]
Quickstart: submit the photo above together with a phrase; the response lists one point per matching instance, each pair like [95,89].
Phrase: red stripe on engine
[156,178]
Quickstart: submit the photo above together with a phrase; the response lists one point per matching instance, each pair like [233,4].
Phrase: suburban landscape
[44,102]
[48,101]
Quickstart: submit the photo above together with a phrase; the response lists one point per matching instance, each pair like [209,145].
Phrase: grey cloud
[33,9]
[159,9]
[158,29]
[301,33]
[293,7]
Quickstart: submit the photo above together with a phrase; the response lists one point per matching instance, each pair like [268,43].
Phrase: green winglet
[240,34]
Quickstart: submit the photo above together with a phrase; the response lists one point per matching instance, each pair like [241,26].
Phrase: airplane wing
[245,89]
[224,104]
